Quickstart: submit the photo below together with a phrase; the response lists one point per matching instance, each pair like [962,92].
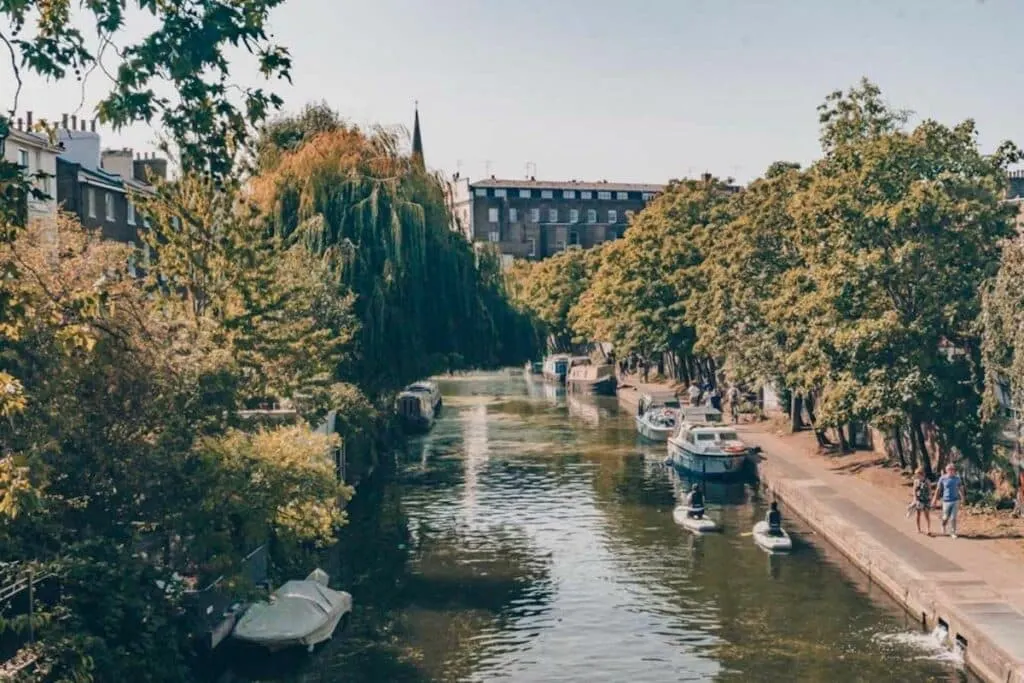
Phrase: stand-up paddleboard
[697,526]
[764,538]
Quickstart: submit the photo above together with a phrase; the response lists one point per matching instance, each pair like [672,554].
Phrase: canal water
[529,537]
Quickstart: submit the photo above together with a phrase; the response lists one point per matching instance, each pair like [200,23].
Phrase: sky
[639,91]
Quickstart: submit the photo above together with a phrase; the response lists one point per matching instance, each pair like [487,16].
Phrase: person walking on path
[693,393]
[645,367]
[922,499]
[951,488]
[733,395]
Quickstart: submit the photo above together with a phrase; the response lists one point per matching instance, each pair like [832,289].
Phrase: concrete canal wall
[976,593]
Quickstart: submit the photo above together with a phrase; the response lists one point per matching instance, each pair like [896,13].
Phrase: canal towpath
[976,592]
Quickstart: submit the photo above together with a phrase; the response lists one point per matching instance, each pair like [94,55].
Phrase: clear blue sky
[631,91]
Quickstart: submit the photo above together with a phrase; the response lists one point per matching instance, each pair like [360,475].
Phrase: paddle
[747,533]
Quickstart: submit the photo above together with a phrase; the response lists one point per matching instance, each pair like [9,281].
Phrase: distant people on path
[715,399]
[695,503]
[693,393]
[733,396]
[1018,510]
[951,489]
[774,519]
[921,503]
[645,368]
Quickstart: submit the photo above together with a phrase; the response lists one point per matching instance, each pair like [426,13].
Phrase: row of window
[553,214]
[574,240]
[91,206]
[565,194]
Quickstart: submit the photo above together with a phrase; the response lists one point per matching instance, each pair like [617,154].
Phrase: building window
[502,193]
[90,202]
[513,215]
[108,205]
[533,247]
[480,191]
[131,259]
[613,217]
[492,215]
[613,235]
[629,216]
[559,245]
[604,194]
[524,194]
[591,215]
[569,194]
[23,159]
[574,215]
[552,215]
[145,220]
[574,237]
[547,194]
[129,212]
[494,236]
[535,215]
[586,194]
[622,195]
[647,196]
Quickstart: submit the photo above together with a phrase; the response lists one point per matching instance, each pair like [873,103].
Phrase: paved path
[978,592]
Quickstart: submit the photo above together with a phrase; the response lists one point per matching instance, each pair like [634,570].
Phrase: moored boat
[415,410]
[657,415]
[430,390]
[708,449]
[301,612]
[556,367]
[598,380]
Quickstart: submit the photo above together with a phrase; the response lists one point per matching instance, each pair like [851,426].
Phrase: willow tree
[422,301]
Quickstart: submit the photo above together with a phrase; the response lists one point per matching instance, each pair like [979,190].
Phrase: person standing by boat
[774,519]
[715,399]
[951,488]
[693,393]
[922,497]
[695,503]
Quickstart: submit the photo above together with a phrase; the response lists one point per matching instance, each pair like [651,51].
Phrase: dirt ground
[996,529]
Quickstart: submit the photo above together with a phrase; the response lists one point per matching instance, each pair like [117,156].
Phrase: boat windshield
[727,436]
[673,403]
[705,436]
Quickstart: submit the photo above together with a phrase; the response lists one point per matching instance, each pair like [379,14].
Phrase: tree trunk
[796,420]
[926,461]
[897,440]
[844,444]
[819,434]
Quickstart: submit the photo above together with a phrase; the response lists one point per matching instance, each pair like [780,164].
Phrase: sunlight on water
[529,537]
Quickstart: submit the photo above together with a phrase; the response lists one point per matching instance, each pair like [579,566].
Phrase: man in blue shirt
[951,488]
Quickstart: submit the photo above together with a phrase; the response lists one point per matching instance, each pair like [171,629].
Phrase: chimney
[74,122]
[92,126]
[64,121]
[18,124]
[28,120]
[706,177]
[149,168]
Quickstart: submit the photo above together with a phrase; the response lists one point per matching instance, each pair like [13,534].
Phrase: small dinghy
[299,613]
[776,544]
[700,525]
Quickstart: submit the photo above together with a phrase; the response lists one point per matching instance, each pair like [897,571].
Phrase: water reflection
[523,540]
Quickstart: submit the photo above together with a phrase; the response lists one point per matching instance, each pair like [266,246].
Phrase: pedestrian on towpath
[951,488]
[922,499]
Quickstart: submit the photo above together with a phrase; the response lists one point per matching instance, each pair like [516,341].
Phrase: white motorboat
[430,390]
[769,541]
[710,450]
[657,424]
[698,525]
[301,612]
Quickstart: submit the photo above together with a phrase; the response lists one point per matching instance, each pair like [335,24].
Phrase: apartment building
[535,219]
[37,155]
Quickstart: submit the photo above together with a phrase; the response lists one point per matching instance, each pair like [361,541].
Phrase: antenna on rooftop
[529,165]
[487,167]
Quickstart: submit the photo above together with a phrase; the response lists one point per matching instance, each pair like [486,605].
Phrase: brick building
[536,218]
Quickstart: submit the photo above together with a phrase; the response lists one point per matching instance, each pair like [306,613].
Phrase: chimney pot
[74,122]
[28,120]
[93,125]
[64,121]
[18,124]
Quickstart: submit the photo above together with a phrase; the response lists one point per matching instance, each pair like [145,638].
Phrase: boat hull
[557,378]
[706,465]
[651,432]
[311,639]
[599,387]
[704,525]
[417,424]
[775,544]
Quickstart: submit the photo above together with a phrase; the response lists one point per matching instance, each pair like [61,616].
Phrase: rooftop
[566,185]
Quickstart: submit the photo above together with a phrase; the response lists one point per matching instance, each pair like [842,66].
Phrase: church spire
[417,139]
